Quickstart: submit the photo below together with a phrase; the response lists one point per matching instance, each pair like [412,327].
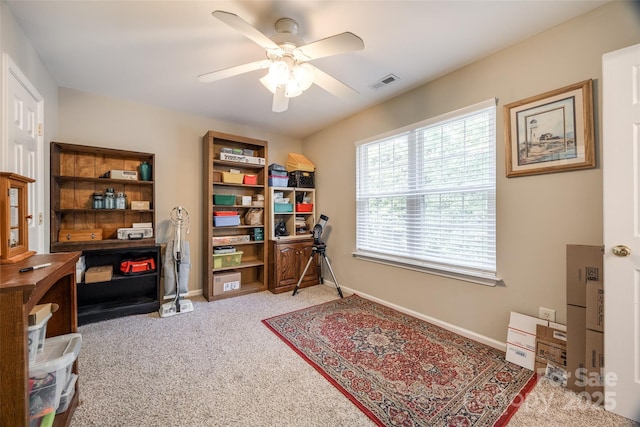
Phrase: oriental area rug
[403,371]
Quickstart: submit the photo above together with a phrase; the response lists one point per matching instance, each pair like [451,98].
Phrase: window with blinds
[426,195]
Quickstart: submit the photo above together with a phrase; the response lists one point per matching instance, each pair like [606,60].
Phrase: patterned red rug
[403,371]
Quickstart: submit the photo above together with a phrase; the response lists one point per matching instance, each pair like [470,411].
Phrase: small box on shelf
[242,159]
[226,281]
[226,240]
[140,205]
[122,174]
[97,274]
[243,200]
[80,235]
[41,312]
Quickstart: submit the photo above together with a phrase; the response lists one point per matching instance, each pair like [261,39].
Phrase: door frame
[9,67]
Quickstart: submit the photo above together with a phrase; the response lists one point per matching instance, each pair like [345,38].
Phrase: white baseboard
[448,326]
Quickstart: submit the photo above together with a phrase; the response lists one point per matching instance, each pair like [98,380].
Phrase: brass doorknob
[621,250]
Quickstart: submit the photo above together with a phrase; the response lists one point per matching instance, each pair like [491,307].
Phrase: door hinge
[40,218]
[40,129]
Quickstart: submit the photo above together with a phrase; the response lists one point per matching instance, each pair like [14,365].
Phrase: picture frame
[550,132]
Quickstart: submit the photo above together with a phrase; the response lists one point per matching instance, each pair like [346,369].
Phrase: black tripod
[318,248]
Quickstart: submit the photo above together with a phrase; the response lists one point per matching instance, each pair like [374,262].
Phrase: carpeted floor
[219,366]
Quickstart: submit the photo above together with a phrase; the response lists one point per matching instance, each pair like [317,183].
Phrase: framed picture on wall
[550,132]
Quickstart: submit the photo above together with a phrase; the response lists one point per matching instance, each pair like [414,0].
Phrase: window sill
[424,267]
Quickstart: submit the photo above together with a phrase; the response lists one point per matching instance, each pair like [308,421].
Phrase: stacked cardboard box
[585,319]
[551,352]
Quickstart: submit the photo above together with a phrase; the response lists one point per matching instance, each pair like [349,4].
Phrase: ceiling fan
[288,58]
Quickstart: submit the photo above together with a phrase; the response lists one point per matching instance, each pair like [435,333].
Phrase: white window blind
[426,194]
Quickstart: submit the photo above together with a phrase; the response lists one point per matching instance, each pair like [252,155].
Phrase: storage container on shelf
[232,178]
[226,221]
[224,199]
[225,240]
[304,207]
[227,260]
[277,181]
[36,335]
[51,372]
[301,179]
[67,394]
[282,207]
[225,213]
[250,179]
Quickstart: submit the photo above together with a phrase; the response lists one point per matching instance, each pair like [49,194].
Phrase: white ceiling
[151,52]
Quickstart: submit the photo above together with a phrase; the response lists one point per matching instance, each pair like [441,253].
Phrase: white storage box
[120,174]
[51,372]
[242,159]
[67,394]
[36,334]
[521,339]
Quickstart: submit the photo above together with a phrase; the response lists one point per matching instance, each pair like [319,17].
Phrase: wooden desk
[19,293]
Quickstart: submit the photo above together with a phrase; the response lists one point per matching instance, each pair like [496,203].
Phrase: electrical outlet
[547,314]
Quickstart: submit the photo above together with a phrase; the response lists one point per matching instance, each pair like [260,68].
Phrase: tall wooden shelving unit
[253,267]
[76,174]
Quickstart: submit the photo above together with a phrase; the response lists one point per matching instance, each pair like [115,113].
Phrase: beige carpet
[219,366]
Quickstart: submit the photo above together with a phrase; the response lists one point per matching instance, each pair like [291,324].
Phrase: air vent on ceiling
[385,81]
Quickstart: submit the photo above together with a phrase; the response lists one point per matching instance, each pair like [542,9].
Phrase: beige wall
[536,216]
[176,140]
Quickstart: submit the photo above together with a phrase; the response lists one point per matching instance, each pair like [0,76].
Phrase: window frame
[482,276]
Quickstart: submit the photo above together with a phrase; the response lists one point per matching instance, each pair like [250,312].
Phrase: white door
[621,175]
[22,149]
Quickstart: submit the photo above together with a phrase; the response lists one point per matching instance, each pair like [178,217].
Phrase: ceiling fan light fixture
[303,73]
[292,89]
[268,83]
[287,55]
[279,72]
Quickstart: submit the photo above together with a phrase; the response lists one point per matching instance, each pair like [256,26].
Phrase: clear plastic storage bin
[67,394]
[36,335]
[227,260]
[51,372]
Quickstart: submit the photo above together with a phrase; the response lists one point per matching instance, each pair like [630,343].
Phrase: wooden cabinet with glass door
[14,217]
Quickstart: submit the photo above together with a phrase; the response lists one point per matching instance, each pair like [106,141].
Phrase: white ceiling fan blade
[245,28]
[333,85]
[334,45]
[234,71]
[280,102]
